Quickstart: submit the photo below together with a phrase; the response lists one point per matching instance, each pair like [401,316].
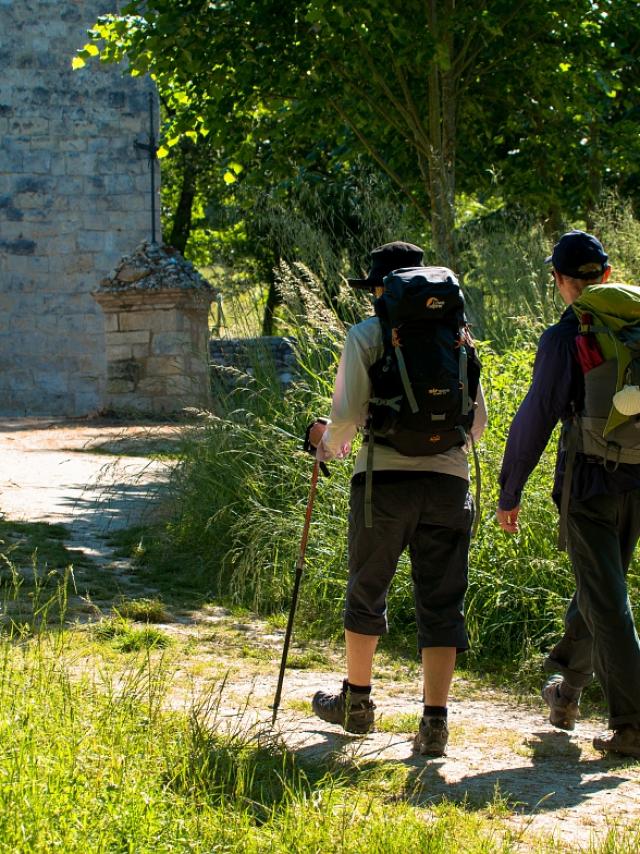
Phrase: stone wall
[233,358]
[74,198]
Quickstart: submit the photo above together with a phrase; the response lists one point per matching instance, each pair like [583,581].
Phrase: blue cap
[578,255]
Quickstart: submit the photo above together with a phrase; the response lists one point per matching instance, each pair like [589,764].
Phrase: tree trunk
[594,183]
[273,300]
[181,227]
[442,136]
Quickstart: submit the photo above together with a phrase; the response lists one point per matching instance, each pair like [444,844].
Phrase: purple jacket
[556,392]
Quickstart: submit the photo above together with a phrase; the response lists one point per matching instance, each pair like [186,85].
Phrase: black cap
[579,255]
[385,259]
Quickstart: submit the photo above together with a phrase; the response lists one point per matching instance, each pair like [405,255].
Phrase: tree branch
[379,159]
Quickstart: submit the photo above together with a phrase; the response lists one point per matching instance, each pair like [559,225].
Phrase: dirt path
[554,782]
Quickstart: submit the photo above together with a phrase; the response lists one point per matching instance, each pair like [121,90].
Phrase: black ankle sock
[435,711]
[357,689]
[568,692]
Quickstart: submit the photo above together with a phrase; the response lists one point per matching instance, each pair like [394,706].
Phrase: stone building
[74,198]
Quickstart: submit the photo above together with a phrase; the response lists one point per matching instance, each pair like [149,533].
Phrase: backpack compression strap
[464,379]
[404,376]
[368,484]
[476,466]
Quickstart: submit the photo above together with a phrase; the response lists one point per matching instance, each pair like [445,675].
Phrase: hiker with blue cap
[409,379]
[587,375]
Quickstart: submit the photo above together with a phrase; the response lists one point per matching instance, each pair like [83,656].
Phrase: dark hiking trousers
[432,515]
[600,634]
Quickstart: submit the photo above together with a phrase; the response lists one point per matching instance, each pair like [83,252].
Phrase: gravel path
[555,782]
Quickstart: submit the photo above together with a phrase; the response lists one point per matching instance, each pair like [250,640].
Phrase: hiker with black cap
[596,485]
[417,497]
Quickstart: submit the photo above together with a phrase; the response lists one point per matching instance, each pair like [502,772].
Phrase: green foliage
[270,89]
[619,230]
[508,288]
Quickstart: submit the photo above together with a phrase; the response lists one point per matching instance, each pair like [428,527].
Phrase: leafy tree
[441,96]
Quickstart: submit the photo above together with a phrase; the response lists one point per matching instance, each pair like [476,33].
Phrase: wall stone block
[140,336]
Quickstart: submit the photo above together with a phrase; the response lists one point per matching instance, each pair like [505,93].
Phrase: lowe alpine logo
[438,392]
[434,438]
[434,303]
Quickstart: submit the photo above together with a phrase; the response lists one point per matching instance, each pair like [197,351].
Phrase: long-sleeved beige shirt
[363,346]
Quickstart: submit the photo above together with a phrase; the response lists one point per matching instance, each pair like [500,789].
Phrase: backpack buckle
[585,324]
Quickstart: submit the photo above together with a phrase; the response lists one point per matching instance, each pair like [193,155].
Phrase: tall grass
[243,484]
[508,287]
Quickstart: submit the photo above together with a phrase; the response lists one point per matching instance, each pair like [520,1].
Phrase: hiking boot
[432,736]
[352,711]
[624,740]
[562,712]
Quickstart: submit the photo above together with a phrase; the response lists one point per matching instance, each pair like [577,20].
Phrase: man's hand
[316,432]
[508,520]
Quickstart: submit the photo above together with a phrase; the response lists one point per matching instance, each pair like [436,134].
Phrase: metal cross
[152,148]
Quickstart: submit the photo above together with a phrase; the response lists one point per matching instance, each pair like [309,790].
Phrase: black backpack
[425,384]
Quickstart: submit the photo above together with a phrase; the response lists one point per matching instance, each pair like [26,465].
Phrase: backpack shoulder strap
[392,344]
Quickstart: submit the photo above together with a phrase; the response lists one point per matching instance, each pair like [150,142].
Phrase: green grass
[406,723]
[143,610]
[34,560]
[124,637]
[20,540]
[308,660]
[99,764]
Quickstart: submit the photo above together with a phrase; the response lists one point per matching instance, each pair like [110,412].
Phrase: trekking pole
[296,588]
[317,466]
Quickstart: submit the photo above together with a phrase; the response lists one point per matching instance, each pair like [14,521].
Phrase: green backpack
[608,349]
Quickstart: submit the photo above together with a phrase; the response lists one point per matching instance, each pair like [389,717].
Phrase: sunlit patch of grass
[301,706]
[258,653]
[124,637]
[308,660]
[400,723]
[278,620]
[138,639]
[143,610]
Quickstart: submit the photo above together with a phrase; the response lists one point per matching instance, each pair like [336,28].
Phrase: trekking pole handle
[308,448]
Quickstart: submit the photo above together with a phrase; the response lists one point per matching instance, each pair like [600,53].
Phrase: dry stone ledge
[156,308]
[232,358]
